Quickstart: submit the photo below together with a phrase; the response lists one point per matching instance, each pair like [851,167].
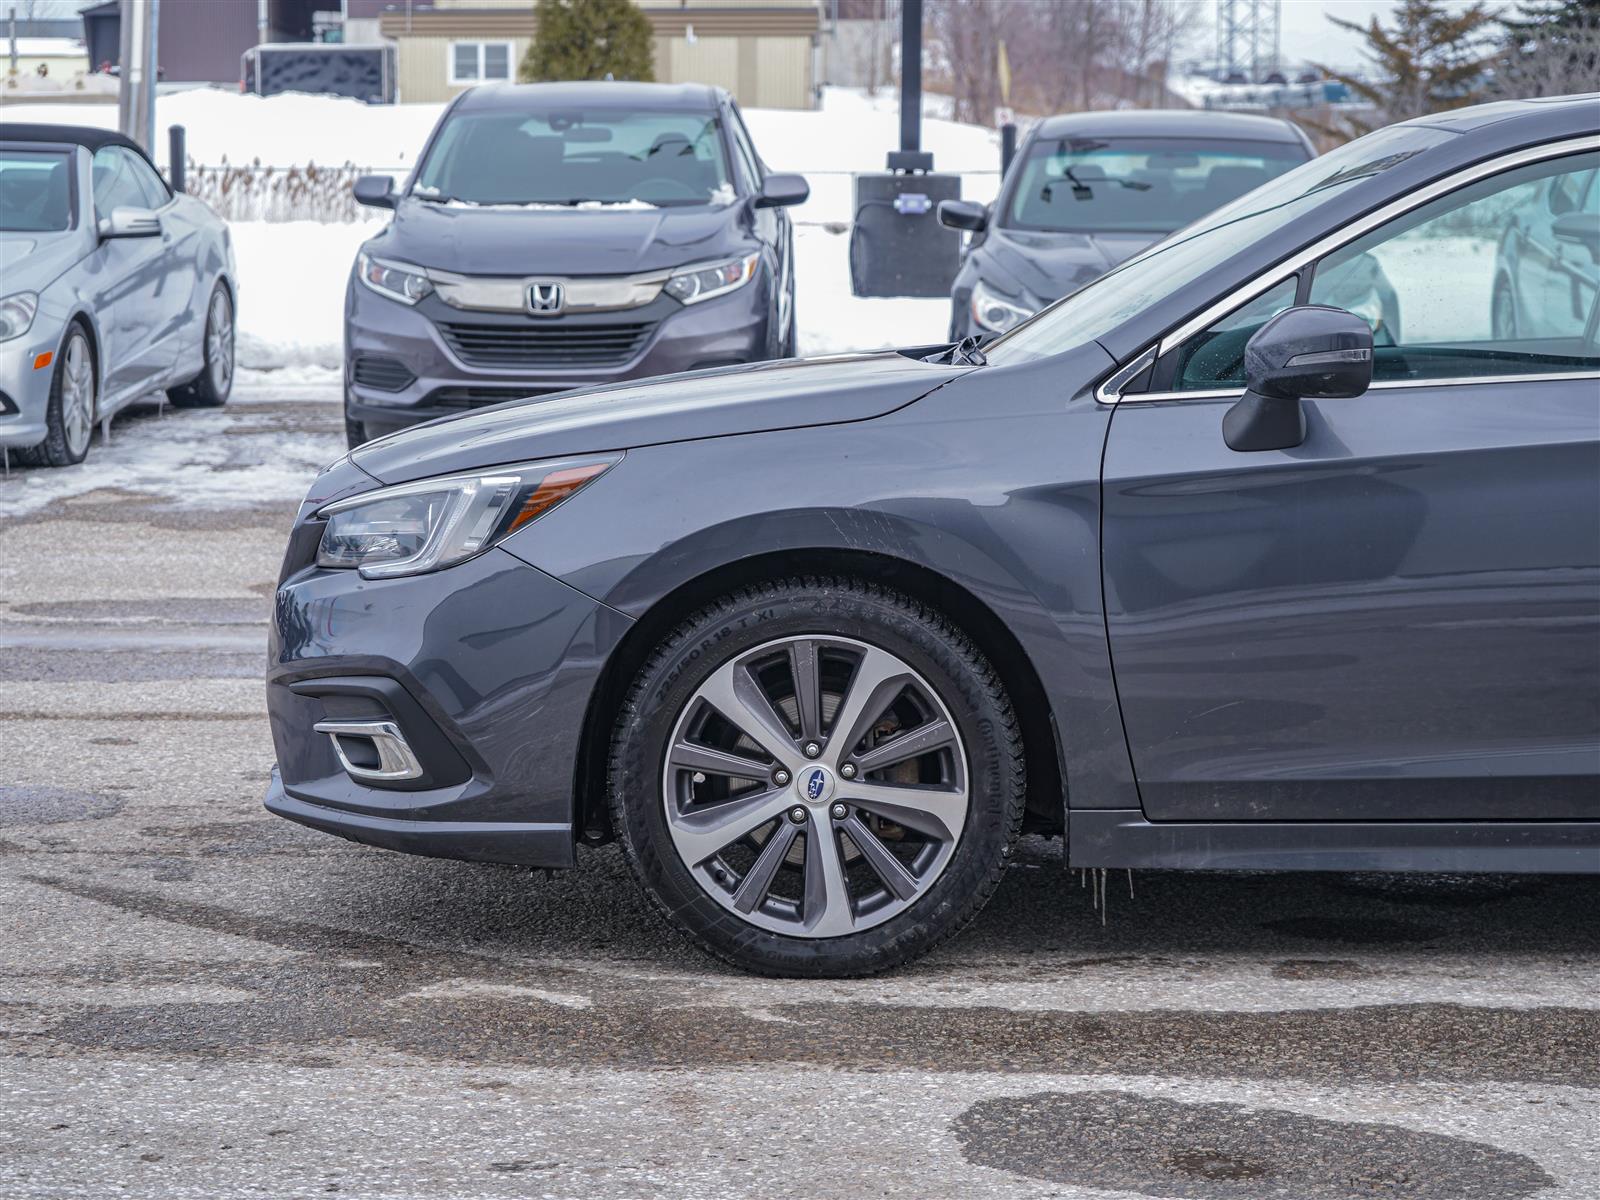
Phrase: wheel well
[1046,790]
[82,319]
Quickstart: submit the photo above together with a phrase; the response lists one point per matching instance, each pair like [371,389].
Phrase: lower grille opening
[381,374]
[478,397]
[555,344]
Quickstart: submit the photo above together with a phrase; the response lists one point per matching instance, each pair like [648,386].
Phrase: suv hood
[511,240]
[670,408]
[1048,266]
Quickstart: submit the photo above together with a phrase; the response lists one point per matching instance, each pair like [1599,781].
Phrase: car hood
[509,240]
[33,261]
[670,408]
[1049,265]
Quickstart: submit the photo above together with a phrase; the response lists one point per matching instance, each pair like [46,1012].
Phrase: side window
[1482,282]
[153,186]
[745,151]
[115,184]
[1214,357]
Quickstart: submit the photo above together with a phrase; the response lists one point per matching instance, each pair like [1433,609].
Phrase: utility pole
[1248,37]
[136,92]
[13,40]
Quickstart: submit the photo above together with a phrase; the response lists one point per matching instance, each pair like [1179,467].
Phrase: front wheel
[1503,313]
[69,417]
[817,778]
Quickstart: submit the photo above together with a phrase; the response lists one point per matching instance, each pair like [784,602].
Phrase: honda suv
[564,234]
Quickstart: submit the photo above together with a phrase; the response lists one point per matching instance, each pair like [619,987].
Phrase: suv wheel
[817,777]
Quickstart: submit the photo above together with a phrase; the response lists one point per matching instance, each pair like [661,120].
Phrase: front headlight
[436,523]
[718,279]
[16,314]
[994,312]
[397,281]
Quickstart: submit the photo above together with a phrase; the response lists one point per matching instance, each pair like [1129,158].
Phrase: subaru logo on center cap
[815,783]
[547,298]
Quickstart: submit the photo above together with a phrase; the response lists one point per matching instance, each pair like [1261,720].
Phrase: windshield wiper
[1082,190]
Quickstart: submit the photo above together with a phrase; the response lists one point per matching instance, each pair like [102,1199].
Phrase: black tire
[57,449]
[789,344]
[924,639]
[212,387]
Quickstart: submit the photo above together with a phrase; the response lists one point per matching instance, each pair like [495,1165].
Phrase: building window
[479,62]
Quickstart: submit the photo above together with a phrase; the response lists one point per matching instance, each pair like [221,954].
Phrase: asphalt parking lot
[199,1000]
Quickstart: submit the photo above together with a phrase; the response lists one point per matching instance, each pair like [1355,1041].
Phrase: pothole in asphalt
[1360,931]
[23,805]
[1222,1151]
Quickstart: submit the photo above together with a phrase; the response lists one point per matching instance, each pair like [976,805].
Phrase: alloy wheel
[815,786]
[219,342]
[77,395]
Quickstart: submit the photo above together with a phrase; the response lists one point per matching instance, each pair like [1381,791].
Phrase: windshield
[34,192]
[1137,185]
[603,157]
[1146,279]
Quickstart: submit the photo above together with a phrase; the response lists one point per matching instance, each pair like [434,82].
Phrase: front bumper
[487,668]
[24,388]
[722,332]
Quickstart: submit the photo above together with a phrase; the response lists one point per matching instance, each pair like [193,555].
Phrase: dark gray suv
[557,235]
[1190,569]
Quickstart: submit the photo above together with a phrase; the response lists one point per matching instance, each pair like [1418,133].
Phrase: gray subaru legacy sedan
[1188,569]
[561,234]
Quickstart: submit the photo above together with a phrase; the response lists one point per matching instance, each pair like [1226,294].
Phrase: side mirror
[1581,229]
[375,191]
[780,191]
[1306,353]
[129,223]
[963,214]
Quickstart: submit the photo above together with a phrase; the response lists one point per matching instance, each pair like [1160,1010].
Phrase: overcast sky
[1308,36]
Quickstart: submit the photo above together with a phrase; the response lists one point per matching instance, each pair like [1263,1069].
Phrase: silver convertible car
[112,286]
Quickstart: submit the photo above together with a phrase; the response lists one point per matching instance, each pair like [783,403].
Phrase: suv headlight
[695,284]
[398,281]
[994,312]
[16,314]
[436,523]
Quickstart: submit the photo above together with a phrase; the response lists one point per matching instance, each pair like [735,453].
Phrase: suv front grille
[552,345]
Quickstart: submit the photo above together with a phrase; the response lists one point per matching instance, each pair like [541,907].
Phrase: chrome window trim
[1382,385]
[1110,389]
[1356,229]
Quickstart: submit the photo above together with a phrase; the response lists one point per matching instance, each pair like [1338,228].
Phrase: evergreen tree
[1430,59]
[1552,48]
[589,39]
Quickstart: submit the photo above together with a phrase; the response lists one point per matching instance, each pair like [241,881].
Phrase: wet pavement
[198,1000]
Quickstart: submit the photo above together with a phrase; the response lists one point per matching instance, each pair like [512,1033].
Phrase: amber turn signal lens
[41,361]
[553,489]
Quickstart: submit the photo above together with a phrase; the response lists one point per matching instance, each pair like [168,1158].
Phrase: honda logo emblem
[546,298]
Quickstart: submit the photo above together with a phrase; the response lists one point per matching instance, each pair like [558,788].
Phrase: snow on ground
[292,278]
[1444,285]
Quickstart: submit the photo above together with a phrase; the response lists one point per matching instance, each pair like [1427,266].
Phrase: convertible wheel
[69,419]
[211,387]
[1503,314]
[817,777]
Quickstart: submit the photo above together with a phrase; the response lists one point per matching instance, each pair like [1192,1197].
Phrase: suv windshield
[567,157]
[1146,279]
[34,192]
[1137,185]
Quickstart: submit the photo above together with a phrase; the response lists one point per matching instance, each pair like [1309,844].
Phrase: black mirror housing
[963,214]
[781,191]
[375,191]
[1311,352]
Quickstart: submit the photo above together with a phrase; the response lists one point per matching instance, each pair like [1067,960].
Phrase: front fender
[1004,505]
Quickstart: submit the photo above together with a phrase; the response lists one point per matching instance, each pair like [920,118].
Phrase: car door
[772,225]
[1400,617]
[180,311]
[126,276]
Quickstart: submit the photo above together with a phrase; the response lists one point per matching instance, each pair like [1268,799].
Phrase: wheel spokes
[735,693]
[807,669]
[691,757]
[877,680]
[701,834]
[935,735]
[752,890]
[825,906]
[934,812]
[885,865]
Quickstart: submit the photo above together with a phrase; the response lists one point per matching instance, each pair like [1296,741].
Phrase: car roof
[72,135]
[1535,111]
[515,97]
[1196,123]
